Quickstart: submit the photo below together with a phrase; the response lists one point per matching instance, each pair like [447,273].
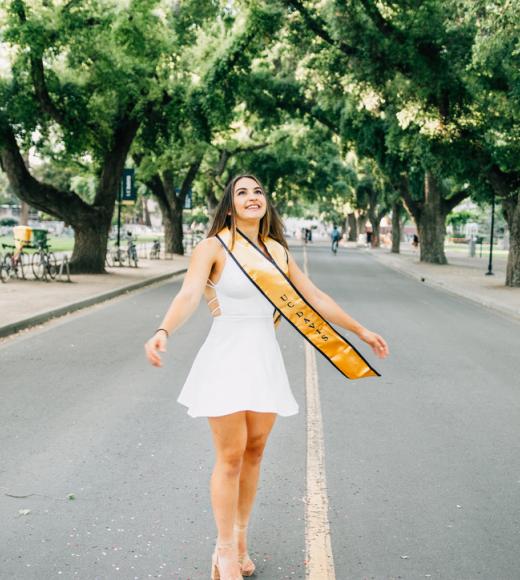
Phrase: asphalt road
[422,464]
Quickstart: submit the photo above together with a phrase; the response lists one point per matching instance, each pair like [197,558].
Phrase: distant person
[336,236]
[369,238]
[415,242]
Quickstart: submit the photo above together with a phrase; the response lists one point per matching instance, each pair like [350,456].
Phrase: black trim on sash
[305,301]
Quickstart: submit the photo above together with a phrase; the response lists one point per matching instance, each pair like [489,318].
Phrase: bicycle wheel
[109,260]
[24,263]
[52,265]
[122,257]
[8,265]
[135,258]
[38,265]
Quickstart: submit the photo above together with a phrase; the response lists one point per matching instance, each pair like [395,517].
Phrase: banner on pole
[128,189]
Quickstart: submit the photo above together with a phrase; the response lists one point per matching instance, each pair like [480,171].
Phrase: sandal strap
[241,526]
[225,544]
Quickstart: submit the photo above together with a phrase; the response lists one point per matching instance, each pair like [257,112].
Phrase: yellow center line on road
[318,548]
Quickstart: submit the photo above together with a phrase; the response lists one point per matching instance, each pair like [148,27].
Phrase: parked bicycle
[43,262]
[155,252]
[3,273]
[131,250]
[117,256]
[15,263]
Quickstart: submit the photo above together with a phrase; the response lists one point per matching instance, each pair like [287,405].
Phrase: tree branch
[222,162]
[190,178]
[376,17]
[38,74]
[413,206]
[65,205]
[115,157]
[455,199]
[504,184]
[156,185]
[317,25]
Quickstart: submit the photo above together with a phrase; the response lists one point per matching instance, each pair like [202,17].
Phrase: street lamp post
[490,265]
[119,216]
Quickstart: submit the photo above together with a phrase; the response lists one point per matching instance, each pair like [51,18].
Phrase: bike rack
[64,266]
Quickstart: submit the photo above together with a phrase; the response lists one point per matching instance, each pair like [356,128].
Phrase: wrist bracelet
[164,329]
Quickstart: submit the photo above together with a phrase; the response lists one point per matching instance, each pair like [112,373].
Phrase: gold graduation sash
[270,276]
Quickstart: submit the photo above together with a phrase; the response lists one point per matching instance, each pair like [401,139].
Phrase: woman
[238,379]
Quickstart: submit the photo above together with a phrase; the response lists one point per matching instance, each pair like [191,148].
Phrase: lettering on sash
[308,322]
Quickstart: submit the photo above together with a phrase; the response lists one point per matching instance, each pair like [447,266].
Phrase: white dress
[239,366]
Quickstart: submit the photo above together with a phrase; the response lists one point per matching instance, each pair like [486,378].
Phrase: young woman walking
[238,379]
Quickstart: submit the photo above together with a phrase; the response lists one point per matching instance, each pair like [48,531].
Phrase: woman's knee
[231,461]
[254,450]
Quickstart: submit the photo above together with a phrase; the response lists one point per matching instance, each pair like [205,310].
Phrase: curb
[9,329]
[439,285]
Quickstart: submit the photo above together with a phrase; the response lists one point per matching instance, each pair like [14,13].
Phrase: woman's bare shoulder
[208,247]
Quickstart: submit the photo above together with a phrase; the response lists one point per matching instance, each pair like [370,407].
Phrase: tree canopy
[354,105]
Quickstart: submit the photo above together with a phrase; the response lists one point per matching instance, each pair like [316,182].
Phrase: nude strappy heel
[215,563]
[247,566]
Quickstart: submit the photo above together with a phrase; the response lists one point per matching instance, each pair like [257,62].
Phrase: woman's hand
[377,342]
[156,343]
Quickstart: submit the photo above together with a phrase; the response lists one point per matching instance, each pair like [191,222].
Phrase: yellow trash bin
[22,236]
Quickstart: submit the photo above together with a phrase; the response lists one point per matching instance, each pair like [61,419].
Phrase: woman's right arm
[187,299]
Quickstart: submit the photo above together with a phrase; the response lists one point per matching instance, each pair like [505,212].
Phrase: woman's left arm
[331,311]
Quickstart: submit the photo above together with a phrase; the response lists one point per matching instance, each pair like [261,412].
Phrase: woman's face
[249,200]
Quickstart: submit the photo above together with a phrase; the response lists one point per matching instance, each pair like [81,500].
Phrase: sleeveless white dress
[239,366]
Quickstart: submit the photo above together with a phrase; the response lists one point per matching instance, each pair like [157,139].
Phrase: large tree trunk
[432,230]
[173,234]
[172,216]
[171,203]
[146,212]
[90,247]
[375,222]
[507,186]
[344,228]
[24,214]
[361,220]
[352,227]
[512,214]
[396,227]
[432,223]
[429,215]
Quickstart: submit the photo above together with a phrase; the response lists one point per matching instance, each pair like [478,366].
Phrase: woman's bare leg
[259,426]
[230,438]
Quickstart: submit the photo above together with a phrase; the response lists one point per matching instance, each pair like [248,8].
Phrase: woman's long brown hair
[270,225]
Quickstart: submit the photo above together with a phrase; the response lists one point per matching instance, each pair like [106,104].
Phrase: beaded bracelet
[167,333]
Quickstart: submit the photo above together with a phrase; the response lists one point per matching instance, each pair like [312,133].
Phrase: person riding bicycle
[336,237]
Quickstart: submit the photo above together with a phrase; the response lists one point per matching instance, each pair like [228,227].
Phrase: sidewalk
[25,303]
[463,276]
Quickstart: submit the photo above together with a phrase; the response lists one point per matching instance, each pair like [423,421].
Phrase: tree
[206,89]
[83,77]
[494,82]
